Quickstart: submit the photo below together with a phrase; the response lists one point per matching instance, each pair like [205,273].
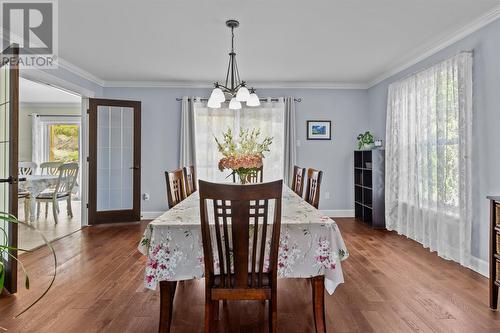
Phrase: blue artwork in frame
[319,130]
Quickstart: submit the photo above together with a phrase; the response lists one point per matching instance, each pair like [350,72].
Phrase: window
[56,138]
[63,143]
[269,118]
[428,157]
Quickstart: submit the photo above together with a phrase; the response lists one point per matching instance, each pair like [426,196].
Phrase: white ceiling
[36,93]
[330,41]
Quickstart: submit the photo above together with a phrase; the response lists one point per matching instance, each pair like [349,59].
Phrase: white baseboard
[326,212]
[337,212]
[150,215]
[480,266]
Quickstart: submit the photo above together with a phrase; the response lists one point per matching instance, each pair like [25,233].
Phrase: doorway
[50,141]
[114,161]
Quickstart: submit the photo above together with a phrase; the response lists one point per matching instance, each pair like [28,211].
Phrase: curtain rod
[273,99]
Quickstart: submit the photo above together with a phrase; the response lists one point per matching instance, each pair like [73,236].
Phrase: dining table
[311,247]
[36,184]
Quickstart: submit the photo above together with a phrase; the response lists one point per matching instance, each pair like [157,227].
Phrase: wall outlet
[327,195]
[145,196]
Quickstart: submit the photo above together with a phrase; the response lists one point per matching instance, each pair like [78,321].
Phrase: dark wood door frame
[12,53]
[111,216]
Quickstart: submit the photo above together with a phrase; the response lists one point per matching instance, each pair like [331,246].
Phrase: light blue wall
[486,149]
[347,109]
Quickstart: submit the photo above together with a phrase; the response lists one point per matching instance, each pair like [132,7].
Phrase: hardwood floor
[392,285]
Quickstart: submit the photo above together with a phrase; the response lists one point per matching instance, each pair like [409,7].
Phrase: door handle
[134,168]
[9,180]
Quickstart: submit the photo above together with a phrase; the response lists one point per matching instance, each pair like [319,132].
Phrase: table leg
[32,209]
[318,291]
[167,293]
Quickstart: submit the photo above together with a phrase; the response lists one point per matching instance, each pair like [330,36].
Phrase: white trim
[480,266]
[434,47]
[413,58]
[338,212]
[43,77]
[50,105]
[258,85]
[150,215]
[79,71]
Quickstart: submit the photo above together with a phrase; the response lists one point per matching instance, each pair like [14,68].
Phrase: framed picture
[319,130]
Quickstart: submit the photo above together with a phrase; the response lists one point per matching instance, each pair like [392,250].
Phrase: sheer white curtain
[428,164]
[269,118]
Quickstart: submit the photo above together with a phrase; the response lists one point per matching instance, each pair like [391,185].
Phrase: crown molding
[79,71]
[50,105]
[413,58]
[438,45]
[257,85]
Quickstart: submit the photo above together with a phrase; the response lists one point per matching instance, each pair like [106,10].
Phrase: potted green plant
[366,141]
[5,251]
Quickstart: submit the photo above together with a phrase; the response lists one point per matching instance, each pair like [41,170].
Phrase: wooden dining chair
[189,180]
[68,175]
[50,168]
[299,177]
[27,168]
[175,187]
[241,274]
[313,186]
[254,177]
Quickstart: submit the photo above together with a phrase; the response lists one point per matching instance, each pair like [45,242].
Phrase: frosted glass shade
[213,103]
[243,94]
[234,104]
[218,95]
[253,100]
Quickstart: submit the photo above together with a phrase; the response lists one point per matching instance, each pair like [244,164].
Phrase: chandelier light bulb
[243,94]
[234,104]
[218,95]
[253,100]
[213,103]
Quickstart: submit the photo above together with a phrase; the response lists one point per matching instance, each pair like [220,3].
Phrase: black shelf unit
[369,191]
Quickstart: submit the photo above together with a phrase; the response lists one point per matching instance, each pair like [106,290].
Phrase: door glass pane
[115,157]
[4,142]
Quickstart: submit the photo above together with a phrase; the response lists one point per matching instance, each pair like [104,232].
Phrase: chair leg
[26,210]
[47,209]
[273,312]
[209,315]
[55,211]
[38,209]
[69,208]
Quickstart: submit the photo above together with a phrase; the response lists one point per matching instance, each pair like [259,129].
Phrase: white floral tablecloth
[310,244]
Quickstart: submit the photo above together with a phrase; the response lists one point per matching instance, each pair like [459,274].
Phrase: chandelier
[234,89]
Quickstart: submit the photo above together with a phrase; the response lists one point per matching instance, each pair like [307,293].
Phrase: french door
[9,133]
[114,161]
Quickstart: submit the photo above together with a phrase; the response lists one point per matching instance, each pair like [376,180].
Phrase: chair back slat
[50,168]
[189,180]
[237,210]
[299,175]
[314,178]
[27,168]
[67,178]
[175,187]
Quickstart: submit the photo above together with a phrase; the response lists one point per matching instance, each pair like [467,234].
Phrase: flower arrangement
[365,141]
[243,156]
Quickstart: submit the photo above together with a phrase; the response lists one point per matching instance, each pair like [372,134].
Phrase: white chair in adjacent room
[68,174]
